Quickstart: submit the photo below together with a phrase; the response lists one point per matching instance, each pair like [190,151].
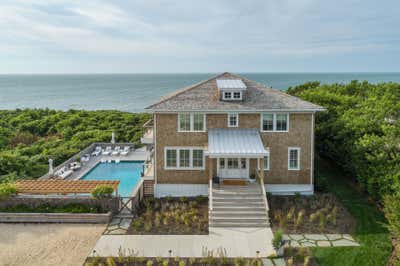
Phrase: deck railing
[147,127]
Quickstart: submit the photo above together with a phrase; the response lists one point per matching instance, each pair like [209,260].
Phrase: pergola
[44,187]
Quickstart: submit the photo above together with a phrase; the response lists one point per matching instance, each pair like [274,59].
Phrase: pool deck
[137,155]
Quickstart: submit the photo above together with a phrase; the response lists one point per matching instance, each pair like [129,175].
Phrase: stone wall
[299,135]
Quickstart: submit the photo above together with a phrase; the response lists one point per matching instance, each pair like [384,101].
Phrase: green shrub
[7,189]
[277,240]
[392,214]
[102,191]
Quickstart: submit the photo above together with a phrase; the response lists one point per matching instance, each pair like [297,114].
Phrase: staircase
[238,206]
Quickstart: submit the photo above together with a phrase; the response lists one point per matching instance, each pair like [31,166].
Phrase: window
[233,120]
[237,95]
[227,95]
[268,122]
[266,162]
[184,122]
[191,122]
[198,122]
[275,122]
[294,158]
[171,158]
[184,158]
[221,163]
[233,163]
[243,163]
[281,122]
[198,158]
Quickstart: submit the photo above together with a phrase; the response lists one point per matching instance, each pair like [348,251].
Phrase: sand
[47,244]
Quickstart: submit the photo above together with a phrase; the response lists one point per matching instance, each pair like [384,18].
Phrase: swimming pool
[128,173]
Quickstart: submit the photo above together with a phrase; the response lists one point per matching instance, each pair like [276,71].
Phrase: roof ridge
[185,89]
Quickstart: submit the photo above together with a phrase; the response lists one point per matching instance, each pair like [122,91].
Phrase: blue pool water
[128,173]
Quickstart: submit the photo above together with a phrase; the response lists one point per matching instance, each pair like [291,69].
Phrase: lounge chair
[97,151]
[125,151]
[116,151]
[117,160]
[75,166]
[64,172]
[85,158]
[107,151]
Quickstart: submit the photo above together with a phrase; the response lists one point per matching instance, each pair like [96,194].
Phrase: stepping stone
[308,244]
[279,262]
[333,236]
[296,237]
[295,244]
[118,232]
[267,262]
[114,221]
[316,237]
[348,237]
[113,227]
[125,223]
[323,243]
[344,243]
[286,237]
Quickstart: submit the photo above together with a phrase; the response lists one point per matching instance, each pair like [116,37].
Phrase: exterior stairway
[238,206]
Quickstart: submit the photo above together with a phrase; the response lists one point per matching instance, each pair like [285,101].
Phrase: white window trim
[192,123]
[269,161]
[232,92]
[298,158]
[274,122]
[178,161]
[237,119]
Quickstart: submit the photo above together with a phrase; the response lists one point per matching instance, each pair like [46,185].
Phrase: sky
[148,36]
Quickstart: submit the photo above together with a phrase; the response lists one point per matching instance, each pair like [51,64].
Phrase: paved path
[321,240]
[238,242]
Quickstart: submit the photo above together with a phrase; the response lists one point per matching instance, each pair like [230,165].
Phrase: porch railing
[210,196]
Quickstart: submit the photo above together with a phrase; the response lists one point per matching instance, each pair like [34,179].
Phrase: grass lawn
[370,229]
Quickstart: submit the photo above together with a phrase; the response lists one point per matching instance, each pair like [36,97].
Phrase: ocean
[133,92]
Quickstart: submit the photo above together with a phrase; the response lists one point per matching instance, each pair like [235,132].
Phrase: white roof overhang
[235,143]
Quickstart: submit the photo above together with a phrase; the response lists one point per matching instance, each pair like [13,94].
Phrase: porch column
[262,168]
[210,168]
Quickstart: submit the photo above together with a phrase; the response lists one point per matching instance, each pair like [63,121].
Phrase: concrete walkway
[321,240]
[238,242]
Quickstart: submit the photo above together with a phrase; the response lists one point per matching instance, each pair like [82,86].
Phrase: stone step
[238,201]
[238,219]
[230,203]
[236,193]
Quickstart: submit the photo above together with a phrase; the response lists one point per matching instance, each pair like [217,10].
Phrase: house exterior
[236,129]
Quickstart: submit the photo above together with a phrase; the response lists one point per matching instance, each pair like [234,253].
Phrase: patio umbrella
[51,169]
[113,138]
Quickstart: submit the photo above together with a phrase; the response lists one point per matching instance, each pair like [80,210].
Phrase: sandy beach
[47,244]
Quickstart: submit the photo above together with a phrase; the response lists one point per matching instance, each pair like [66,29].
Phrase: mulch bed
[319,213]
[178,216]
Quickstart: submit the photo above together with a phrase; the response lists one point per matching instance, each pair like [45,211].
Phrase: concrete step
[233,224]
[238,219]
[238,213]
[238,201]
[233,193]
[238,209]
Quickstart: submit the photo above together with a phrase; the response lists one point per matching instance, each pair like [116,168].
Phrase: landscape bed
[320,213]
[171,216]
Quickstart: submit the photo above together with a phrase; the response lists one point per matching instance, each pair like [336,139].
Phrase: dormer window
[231,89]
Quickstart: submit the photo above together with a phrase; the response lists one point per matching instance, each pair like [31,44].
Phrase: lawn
[370,229]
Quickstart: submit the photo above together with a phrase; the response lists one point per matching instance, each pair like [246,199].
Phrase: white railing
[210,196]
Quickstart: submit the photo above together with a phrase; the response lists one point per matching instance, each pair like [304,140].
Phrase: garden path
[320,240]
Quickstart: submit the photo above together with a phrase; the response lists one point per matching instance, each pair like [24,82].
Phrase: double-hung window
[184,158]
[191,122]
[233,120]
[275,122]
[266,162]
[294,158]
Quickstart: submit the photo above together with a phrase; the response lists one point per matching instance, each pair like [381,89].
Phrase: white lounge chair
[107,151]
[125,151]
[75,166]
[85,158]
[64,173]
[116,151]
[117,160]
[97,151]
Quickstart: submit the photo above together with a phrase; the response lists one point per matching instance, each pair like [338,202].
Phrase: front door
[233,167]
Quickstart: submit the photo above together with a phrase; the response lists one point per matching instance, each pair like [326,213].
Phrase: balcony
[148,132]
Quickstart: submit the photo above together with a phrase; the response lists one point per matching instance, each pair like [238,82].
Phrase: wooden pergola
[44,187]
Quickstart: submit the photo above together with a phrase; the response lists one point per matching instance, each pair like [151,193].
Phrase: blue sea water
[133,92]
[128,173]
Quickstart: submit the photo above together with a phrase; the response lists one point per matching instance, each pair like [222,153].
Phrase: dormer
[231,89]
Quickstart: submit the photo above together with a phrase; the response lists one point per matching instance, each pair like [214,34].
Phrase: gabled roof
[204,96]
